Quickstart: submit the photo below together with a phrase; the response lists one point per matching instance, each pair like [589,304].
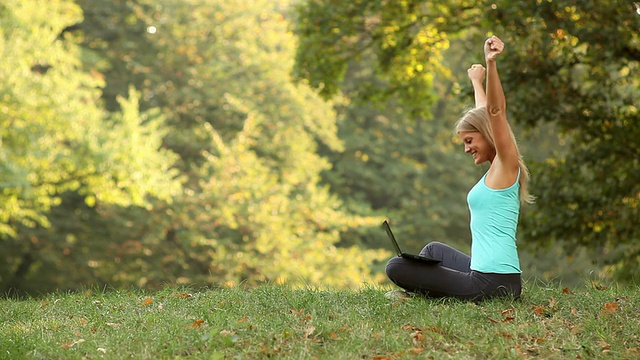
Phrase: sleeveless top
[494,221]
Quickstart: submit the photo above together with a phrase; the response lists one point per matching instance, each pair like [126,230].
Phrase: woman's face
[478,146]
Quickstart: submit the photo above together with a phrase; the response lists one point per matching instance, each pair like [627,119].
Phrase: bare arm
[506,149]
[476,74]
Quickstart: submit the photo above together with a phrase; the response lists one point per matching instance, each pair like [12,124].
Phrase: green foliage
[379,61]
[152,142]
[403,35]
[258,177]
[65,157]
[274,321]
[579,60]
[55,137]
[216,105]
[567,63]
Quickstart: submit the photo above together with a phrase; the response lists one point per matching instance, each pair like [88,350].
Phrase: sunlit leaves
[252,208]
[53,129]
[407,47]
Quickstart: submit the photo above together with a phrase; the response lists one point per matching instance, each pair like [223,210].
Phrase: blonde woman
[493,269]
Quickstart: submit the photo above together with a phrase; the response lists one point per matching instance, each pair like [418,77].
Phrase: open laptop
[386,226]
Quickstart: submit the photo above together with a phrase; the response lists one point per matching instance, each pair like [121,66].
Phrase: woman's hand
[476,73]
[492,48]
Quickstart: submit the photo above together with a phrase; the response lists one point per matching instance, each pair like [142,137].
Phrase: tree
[57,140]
[579,61]
[246,137]
[576,58]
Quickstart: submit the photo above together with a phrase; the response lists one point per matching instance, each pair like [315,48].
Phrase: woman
[493,269]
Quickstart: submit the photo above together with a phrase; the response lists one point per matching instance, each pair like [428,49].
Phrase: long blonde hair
[477,120]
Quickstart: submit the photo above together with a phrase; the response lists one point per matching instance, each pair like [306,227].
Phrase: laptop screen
[386,226]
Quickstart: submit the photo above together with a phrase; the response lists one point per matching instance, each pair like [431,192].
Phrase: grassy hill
[549,322]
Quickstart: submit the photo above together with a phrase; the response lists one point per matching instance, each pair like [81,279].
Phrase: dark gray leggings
[452,277]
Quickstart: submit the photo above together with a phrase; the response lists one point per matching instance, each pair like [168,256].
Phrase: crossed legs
[451,277]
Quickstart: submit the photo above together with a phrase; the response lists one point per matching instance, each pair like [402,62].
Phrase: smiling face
[478,146]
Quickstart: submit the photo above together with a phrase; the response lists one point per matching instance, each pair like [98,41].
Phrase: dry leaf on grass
[182,295]
[610,306]
[539,310]
[309,331]
[68,344]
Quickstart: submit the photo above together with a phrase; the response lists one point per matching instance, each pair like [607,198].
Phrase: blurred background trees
[223,142]
[571,90]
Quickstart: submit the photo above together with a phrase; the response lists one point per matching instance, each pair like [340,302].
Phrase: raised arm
[506,162]
[476,74]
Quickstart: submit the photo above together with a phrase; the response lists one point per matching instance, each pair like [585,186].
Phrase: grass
[549,322]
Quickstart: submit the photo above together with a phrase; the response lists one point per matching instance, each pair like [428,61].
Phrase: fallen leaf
[408,326]
[574,311]
[296,312]
[566,291]
[147,301]
[539,340]
[435,329]
[507,319]
[507,311]
[604,346]
[519,350]
[182,295]
[198,323]
[539,310]
[417,336]
[611,307]
[309,331]
[416,351]
[68,345]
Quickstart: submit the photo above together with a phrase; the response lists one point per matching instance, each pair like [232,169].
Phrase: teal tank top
[494,221]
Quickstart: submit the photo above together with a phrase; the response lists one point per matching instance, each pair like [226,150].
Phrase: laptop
[427,259]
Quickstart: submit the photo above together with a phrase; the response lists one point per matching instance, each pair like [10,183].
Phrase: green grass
[549,322]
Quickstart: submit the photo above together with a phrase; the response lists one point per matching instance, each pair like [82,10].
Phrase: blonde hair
[477,120]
